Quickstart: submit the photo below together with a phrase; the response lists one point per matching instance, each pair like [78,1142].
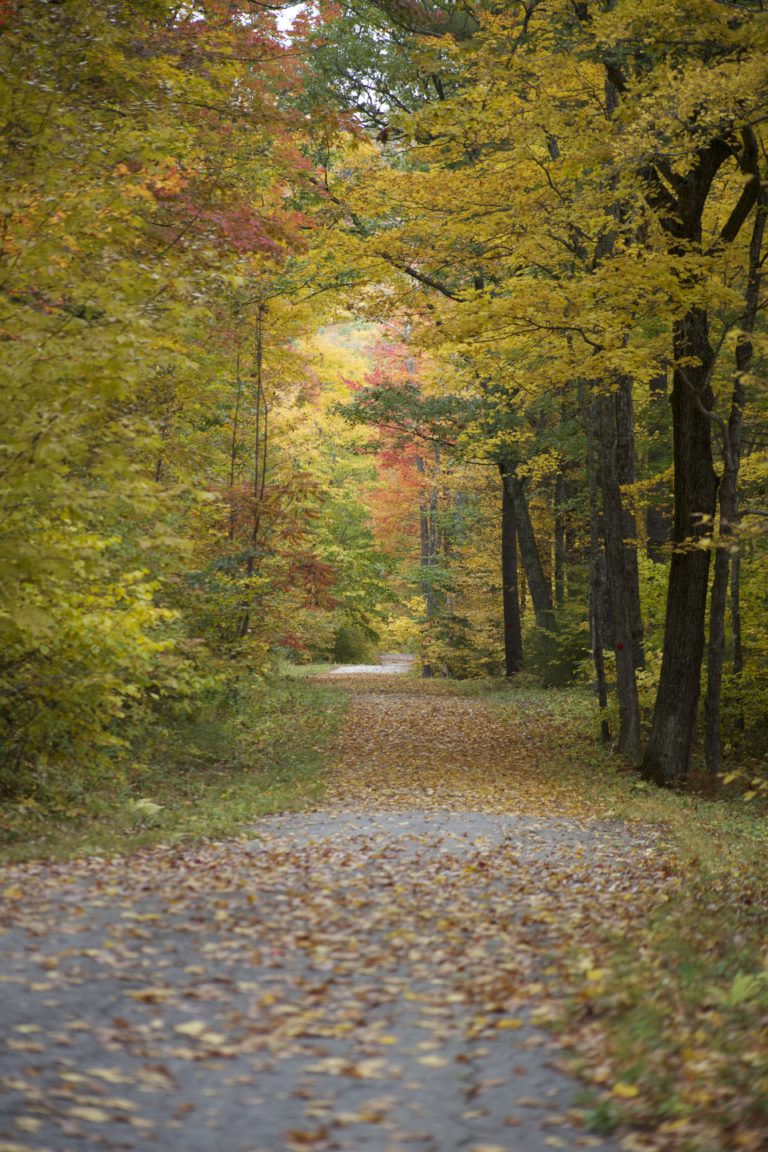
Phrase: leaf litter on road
[372,975]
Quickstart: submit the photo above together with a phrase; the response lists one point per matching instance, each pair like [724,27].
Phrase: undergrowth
[679,1013]
[206,773]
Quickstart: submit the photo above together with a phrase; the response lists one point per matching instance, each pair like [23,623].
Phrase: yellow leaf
[625,1091]
[111,1075]
[509,1022]
[13,893]
[192,1028]
[27,1123]
[372,1069]
[94,1115]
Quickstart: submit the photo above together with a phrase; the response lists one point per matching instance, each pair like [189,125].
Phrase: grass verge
[678,1020]
[203,775]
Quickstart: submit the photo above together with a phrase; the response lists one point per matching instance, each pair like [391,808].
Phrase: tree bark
[538,585]
[626,475]
[596,570]
[560,538]
[668,754]
[658,522]
[233,448]
[619,572]
[427,519]
[260,450]
[513,638]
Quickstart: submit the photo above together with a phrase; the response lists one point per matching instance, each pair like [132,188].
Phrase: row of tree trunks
[728,542]
[626,475]
[680,200]
[658,522]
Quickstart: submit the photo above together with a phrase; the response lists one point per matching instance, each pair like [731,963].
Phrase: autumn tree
[570,205]
[158,201]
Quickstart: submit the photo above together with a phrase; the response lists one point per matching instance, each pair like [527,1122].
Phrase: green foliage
[204,766]
[76,664]
[145,208]
[353,645]
[557,657]
[89,158]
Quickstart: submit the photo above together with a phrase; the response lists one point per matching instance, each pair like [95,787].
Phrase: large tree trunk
[538,585]
[619,570]
[668,755]
[513,638]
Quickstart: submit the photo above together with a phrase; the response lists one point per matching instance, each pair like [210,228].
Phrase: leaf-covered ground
[372,975]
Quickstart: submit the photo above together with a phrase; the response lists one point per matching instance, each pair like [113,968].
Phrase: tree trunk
[738,647]
[658,522]
[715,660]
[596,570]
[513,638]
[538,585]
[668,755]
[260,449]
[737,663]
[622,591]
[560,535]
[233,448]
[427,536]
[625,463]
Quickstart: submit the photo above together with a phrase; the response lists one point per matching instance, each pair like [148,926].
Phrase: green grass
[209,774]
[304,671]
[683,1007]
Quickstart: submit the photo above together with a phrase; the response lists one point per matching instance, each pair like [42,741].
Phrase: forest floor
[423,962]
